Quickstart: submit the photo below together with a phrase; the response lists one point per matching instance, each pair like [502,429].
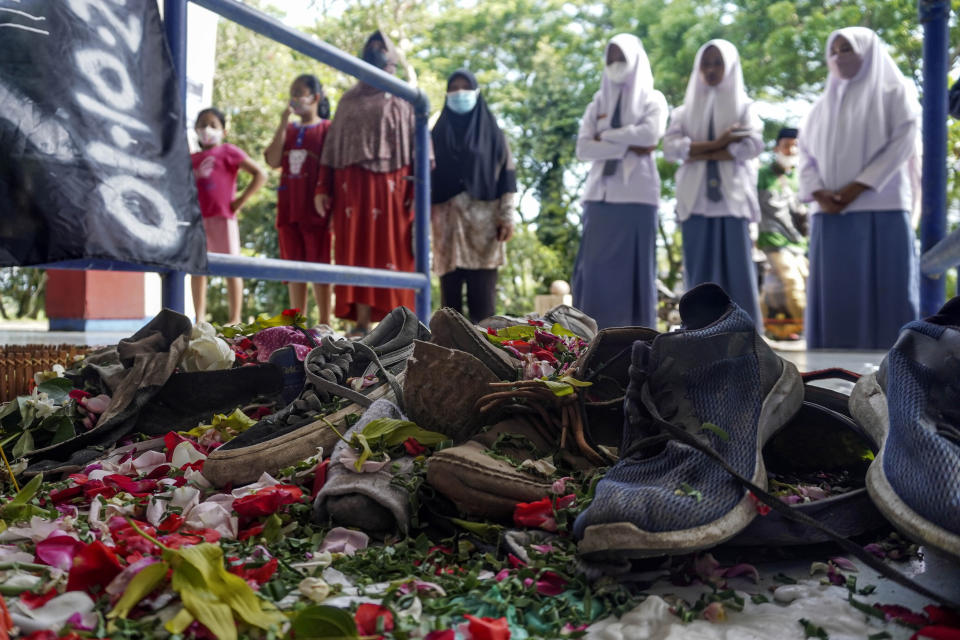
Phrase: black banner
[94,160]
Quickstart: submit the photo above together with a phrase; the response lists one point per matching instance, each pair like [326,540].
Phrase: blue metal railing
[175,25]
[934,16]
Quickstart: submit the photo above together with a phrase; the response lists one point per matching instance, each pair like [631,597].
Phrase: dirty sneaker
[535,432]
[343,377]
[912,407]
[716,381]
[817,463]
[450,329]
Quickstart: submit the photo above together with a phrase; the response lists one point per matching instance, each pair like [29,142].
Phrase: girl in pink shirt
[215,168]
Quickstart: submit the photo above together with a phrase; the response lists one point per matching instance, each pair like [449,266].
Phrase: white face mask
[617,72]
[210,136]
[785,161]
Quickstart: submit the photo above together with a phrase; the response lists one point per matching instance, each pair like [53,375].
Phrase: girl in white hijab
[856,152]
[717,135]
[616,269]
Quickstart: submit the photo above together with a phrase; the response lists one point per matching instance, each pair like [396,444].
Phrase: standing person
[614,278]
[474,188]
[215,169]
[365,185]
[303,231]
[717,135]
[783,225]
[856,152]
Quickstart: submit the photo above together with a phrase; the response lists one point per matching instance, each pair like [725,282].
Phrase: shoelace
[671,431]
[330,362]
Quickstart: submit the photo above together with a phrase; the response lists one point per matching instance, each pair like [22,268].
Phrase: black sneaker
[343,377]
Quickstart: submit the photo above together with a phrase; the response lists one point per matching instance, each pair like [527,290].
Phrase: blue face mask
[462,101]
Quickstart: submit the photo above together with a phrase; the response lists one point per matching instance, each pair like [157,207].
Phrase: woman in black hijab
[474,192]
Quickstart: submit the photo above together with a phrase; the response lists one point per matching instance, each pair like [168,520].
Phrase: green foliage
[539,64]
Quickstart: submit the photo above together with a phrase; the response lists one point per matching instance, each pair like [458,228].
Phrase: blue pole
[421,200]
[255,20]
[934,15]
[175,25]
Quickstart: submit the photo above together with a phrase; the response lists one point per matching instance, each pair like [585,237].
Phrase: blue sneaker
[912,407]
[716,379]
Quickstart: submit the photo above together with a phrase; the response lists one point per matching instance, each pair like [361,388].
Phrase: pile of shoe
[676,434]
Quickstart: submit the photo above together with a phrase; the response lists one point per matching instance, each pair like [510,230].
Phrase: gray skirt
[614,276]
[720,250]
[864,281]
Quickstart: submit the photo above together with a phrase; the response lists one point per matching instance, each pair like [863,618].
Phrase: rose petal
[347,541]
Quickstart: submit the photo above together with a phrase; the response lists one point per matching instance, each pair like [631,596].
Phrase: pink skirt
[223,235]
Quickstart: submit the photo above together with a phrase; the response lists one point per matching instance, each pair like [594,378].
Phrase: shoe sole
[246,464]
[482,486]
[868,404]
[625,539]
[450,329]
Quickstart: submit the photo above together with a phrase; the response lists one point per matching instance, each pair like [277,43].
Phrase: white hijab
[637,88]
[854,118]
[725,101]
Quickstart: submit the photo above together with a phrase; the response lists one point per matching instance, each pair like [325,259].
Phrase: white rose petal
[315,589]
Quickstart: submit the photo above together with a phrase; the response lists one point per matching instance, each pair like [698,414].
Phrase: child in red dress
[304,234]
[215,168]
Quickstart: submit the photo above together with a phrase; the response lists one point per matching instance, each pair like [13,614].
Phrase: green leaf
[391,432]
[19,508]
[24,445]
[759,598]
[516,332]
[202,573]
[272,527]
[179,623]
[811,630]
[709,426]
[483,530]
[27,412]
[25,494]
[573,381]
[237,421]
[139,588]
[322,622]
[9,408]
[883,635]
[562,331]
[360,441]
[228,426]
[688,490]
[866,608]
[62,426]
[202,602]
[559,389]
[56,388]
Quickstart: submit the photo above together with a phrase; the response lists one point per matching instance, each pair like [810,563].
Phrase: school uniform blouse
[738,177]
[636,179]
[888,173]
